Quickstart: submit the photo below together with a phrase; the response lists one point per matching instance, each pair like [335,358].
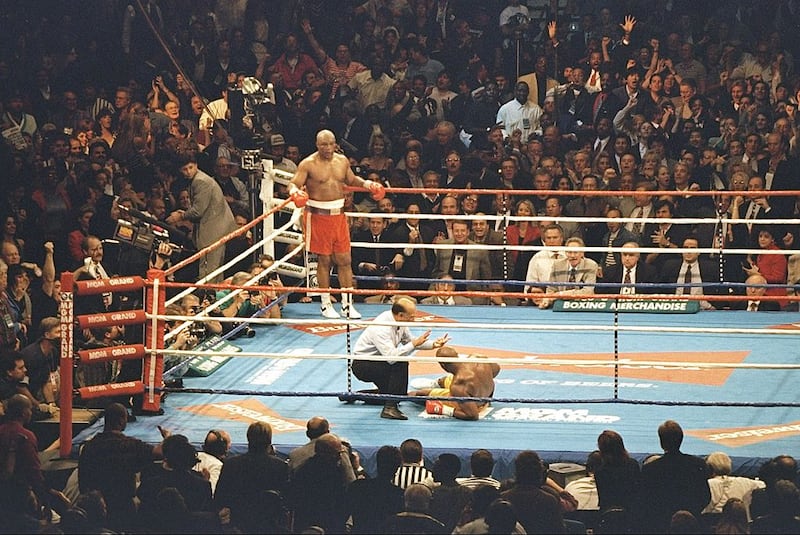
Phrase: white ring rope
[574,219]
[514,361]
[504,326]
[204,314]
[271,237]
[588,249]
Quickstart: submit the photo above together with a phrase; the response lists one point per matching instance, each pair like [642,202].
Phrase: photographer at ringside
[244,304]
[267,296]
[187,338]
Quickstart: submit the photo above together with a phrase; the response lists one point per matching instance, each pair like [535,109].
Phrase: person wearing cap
[319,183]
[277,147]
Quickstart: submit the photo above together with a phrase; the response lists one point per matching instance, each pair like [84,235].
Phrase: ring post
[154,329]
[66,365]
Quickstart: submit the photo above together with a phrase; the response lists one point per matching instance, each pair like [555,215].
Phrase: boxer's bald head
[447,352]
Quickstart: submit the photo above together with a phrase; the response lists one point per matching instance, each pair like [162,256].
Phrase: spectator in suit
[780,171]
[244,477]
[756,288]
[414,261]
[689,273]
[673,482]
[444,289]
[415,518]
[630,270]
[643,208]
[579,274]
[616,236]
[372,261]
[481,233]
[317,491]
[536,509]
[664,235]
[209,211]
[463,264]
[175,471]
[752,209]
[316,427]
[627,95]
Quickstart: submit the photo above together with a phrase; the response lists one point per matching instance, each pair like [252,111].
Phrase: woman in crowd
[521,232]
[378,158]
[618,475]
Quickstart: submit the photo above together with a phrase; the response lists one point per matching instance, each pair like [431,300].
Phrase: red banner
[102,354]
[111,389]
[115,284]
[107,319]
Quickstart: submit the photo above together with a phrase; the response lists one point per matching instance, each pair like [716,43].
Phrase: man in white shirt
[380,340]
[520,114]
[541,264]
[215,448]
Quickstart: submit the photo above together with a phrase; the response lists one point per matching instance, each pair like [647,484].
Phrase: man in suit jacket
[665,235]
[538,82]
[688,272]
[616,236]
[415,262]
[754,209]
[210,213]
[629,271]
[571,270]
[481,233]
[755,290]
[463,264]
[372,261]
[317,426]
[675,481]
[444,296]
[780,172]
[624,94]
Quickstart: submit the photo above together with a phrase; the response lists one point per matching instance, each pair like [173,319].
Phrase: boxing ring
[728,377]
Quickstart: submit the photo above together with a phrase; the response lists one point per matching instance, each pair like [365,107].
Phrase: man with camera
[188,337]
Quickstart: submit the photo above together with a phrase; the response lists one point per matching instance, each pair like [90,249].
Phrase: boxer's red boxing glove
[376,189]
[299,197]
[437,407]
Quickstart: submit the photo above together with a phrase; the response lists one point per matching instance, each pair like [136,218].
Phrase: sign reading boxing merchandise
[674,306]
[205,365]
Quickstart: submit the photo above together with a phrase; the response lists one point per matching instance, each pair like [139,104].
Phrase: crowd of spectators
[125,485]
[99,113]
[420,93]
